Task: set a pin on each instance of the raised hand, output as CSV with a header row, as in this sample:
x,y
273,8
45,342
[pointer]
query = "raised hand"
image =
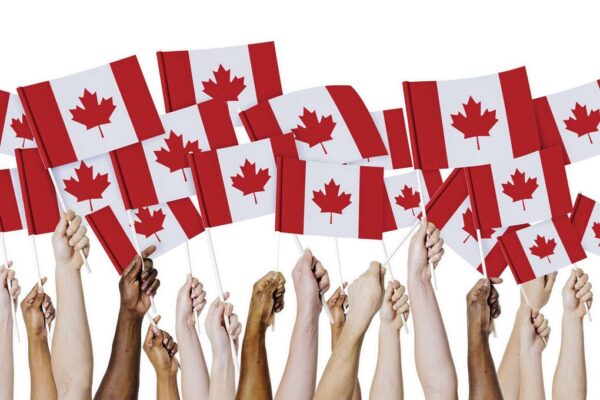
x,y
139,283
577,292
395,305
535,332
215,325
267,298
9,293
68,239
426,246
190,299
33,306
160,348
483,305
337,303
310,279
365,296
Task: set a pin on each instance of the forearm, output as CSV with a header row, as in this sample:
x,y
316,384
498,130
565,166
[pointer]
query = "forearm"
x,y
300,374
483,382
387,382
121,379
43,386
195,380
432,351
509,375
6,357
71,343
166,386
255,382
570,381
222,382
532,378
336,331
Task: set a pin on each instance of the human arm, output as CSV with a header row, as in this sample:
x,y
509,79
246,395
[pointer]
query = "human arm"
x,y
9,294
160,348
534,334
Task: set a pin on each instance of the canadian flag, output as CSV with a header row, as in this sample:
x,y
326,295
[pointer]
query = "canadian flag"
x,y
240,75
165,226
450,211
39,198
402,200
527,189
90,113
330,123
239,182
467,122
541,248
14,127
571,119
316,198
392,129
586,221
157,170
12,213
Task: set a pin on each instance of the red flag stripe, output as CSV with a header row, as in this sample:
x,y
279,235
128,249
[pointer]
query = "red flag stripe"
x,y
520,113
494,261
265,72
389,222
446,200
284,146
187,216
358,120
10,219
425,124
549,132
57,149
4,98
557,184
370,219
260,122
568,237
217,124
133,176
582,212
397,138
291,181
516,257
433,180
137,98
486,212
176,79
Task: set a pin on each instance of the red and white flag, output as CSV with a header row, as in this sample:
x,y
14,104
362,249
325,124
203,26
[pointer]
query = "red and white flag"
x,y
93,112
571,119
450,211
316,198
39,198
586,221
157,170
541,248
330,123
467,122
524,190
402,200
392,129
14,127
12,213
240,75
239,182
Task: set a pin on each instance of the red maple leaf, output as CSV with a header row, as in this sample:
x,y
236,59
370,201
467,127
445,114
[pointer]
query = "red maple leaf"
x,y
584,123
596,228
474,123
520,189
543,248
175,155
149,223
408,199
250,181
87,186
223,87
314,131
21,128
94,113
469,227
331,201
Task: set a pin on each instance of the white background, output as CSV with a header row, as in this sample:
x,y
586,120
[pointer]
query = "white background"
x,y
373,46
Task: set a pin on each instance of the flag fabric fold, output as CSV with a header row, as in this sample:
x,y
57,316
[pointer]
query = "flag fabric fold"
x,y
12,212
14,127
586,221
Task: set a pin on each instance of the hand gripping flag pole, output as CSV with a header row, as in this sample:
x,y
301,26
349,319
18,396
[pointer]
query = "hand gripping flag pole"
x,y
484,268
39,274
424,214
587,309
189,262
385,254
277,244
530,307
13,305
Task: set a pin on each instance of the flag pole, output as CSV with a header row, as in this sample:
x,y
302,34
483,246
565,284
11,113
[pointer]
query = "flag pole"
x,y
39,274
485,272
385,254
424,214
339,263
587,309
13,303
323,301
64,209
399,245
189,262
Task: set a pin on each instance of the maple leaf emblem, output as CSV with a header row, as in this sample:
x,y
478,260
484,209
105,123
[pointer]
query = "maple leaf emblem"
x,y
331,200
408,199
596,229
543,248
474,123
520,189
94,113
149,223
86,186
175,155
314,131
21,128
223,87
250,181
584,123
469,227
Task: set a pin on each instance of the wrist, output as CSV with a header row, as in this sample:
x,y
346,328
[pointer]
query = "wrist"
x,y
130,315
571,316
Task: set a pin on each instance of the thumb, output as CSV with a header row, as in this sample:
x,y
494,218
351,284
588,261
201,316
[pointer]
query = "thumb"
x,y
389,292
551,279
134,269
63,224
422,231
572,279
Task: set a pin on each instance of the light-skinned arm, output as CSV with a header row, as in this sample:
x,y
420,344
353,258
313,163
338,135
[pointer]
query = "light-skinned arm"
x,y
300,374
570,377
435,366
387,381
538,293
195,380
71,343
7,299
160,348
40,364
534,336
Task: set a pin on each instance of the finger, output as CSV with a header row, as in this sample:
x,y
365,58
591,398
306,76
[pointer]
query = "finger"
x,y
587,298
389,292
147,252
581,292
433,239
545,333
74,226
149,279
152,290
403,309
82,244
233,324
319,271
542,326
430,229
538,320
437,257
581,281
133,270
419,236
77,235
402,301
324,283
551,279
63,223
496,281
572,279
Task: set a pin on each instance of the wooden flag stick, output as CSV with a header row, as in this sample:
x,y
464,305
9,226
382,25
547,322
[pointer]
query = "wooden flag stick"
x,y
39,274
189,262
13,305
339,264
399,245
587,309
424,214
531,308
484,268
64,209
217,276
323,301
385,254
